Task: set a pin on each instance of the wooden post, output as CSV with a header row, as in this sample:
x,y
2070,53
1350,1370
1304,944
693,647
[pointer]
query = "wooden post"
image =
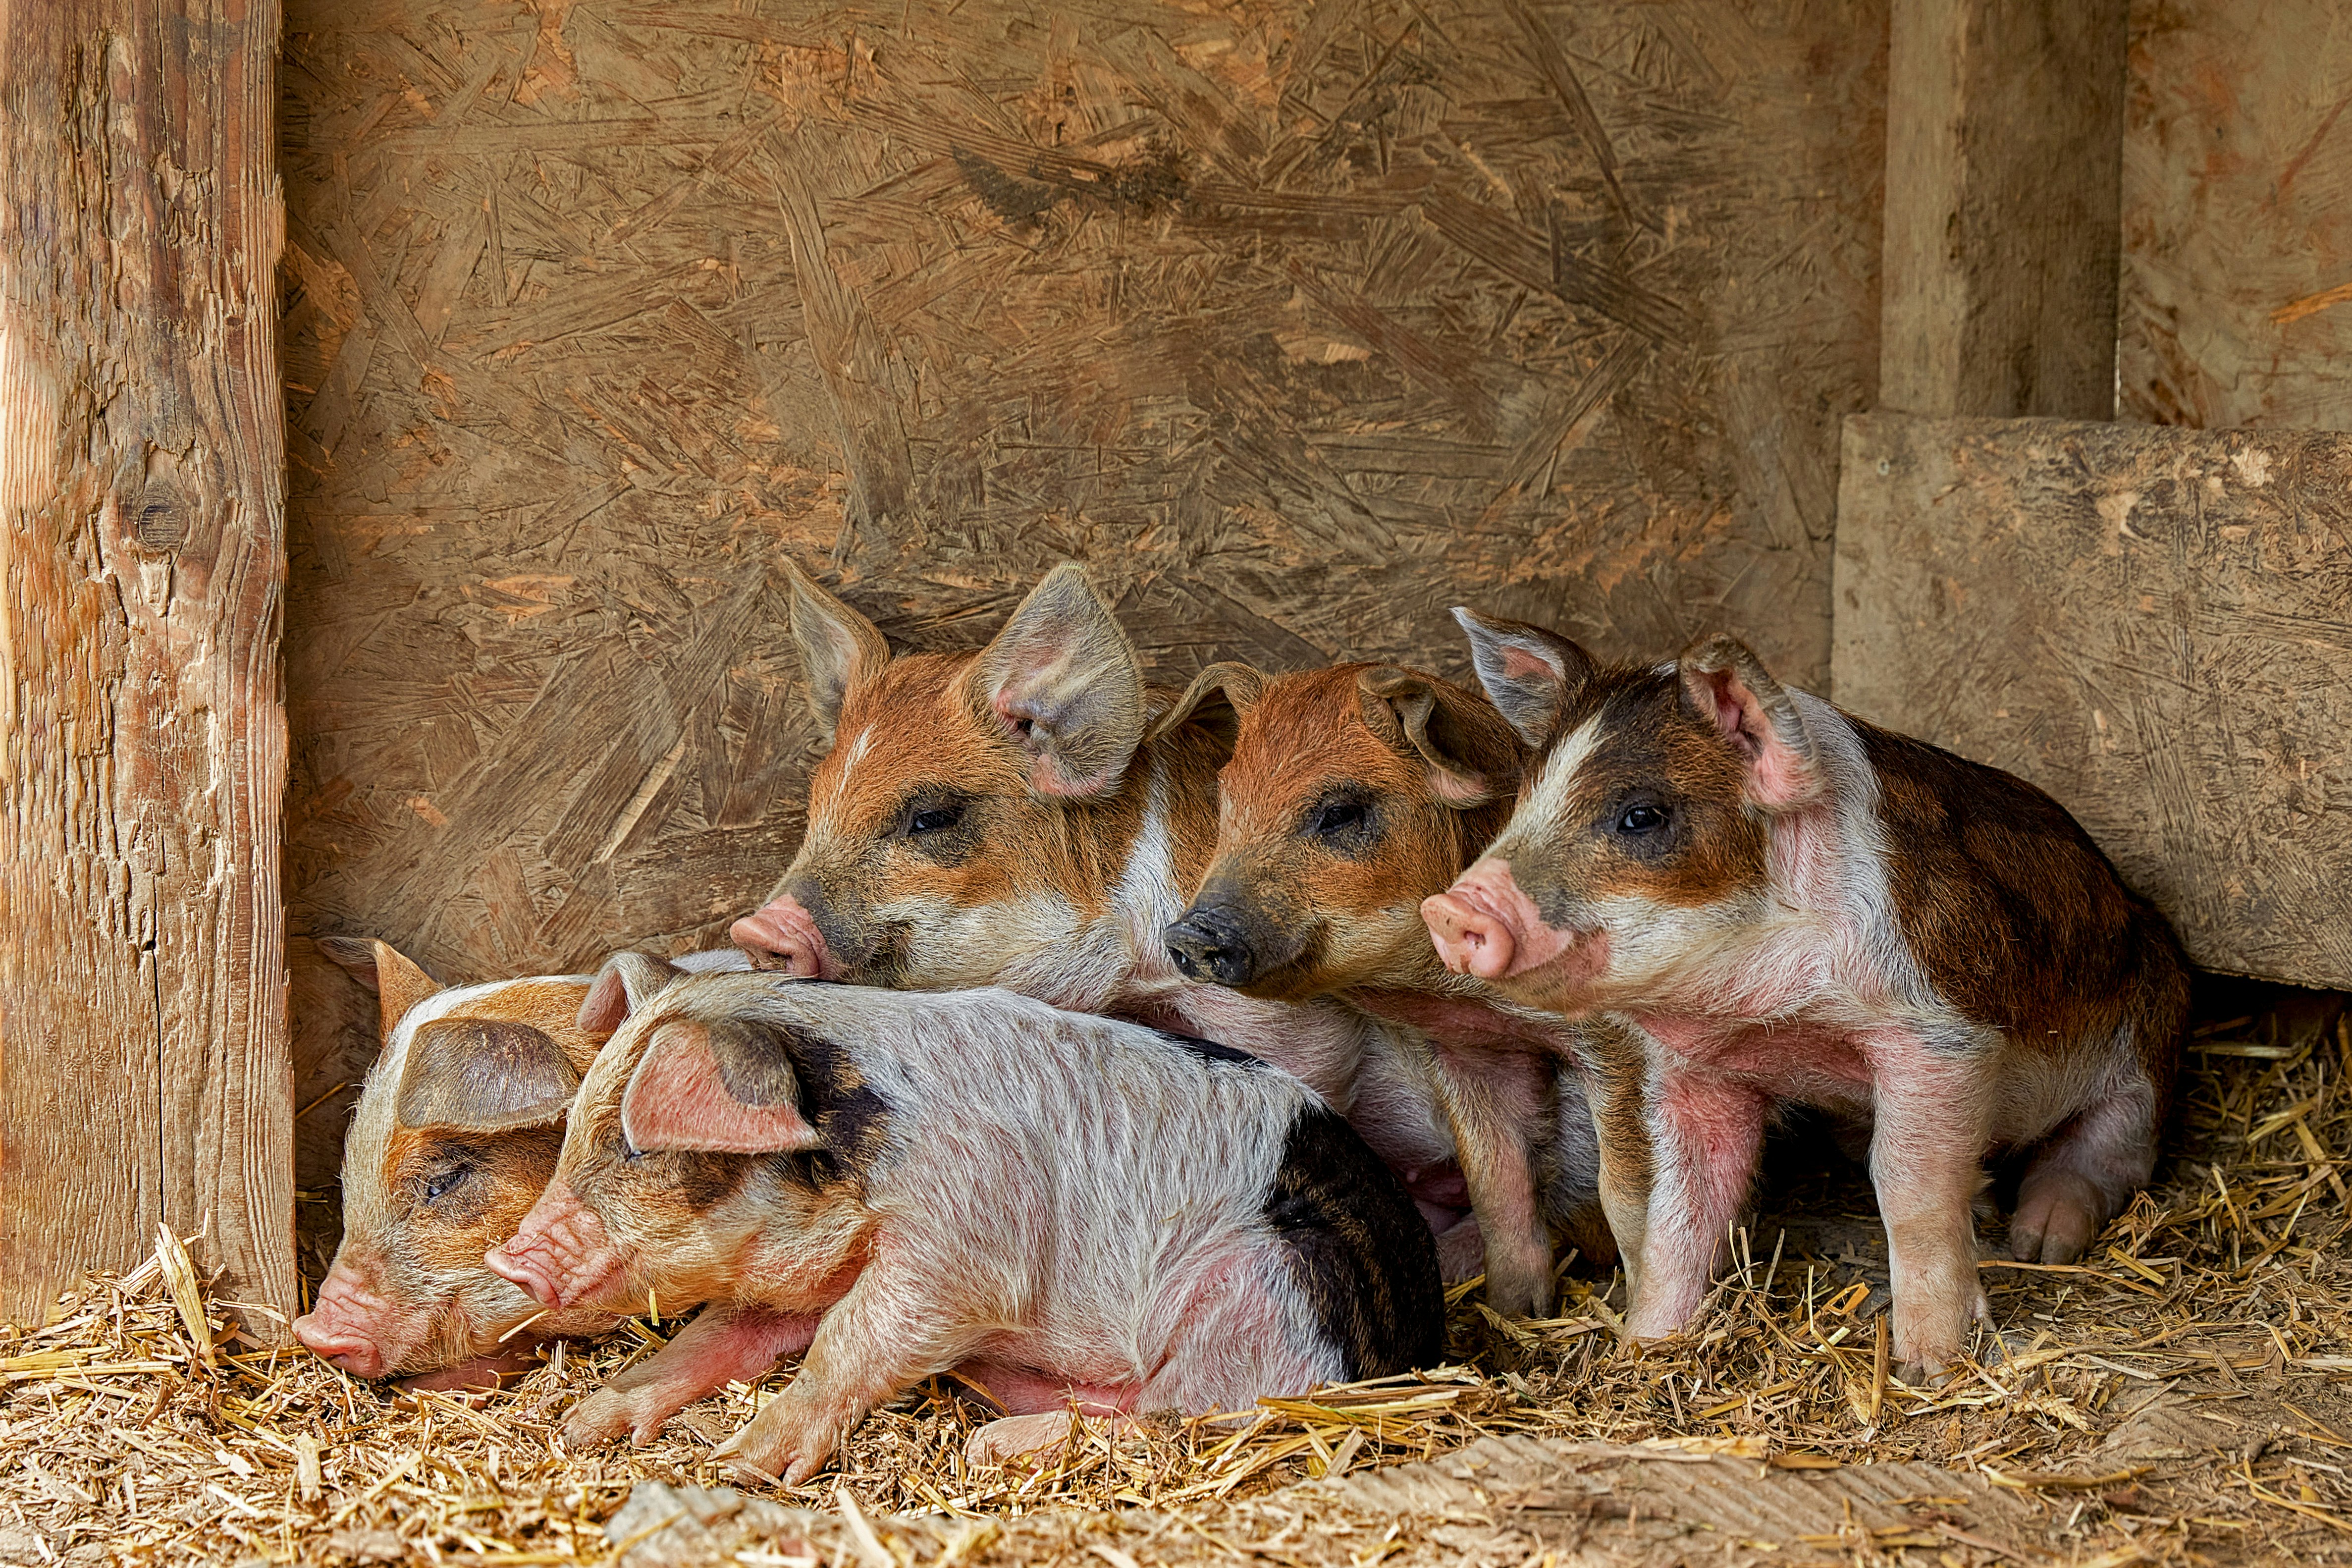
x,y
144,1066
2004,160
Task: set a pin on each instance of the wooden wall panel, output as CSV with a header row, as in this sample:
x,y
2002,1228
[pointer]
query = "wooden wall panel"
x,y
1298,322
2004,139
2151,625
2237,201
143,1068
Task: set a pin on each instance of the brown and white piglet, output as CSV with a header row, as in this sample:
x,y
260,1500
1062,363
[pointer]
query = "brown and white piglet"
x,y
456,1134
1054,1206
1352,793
1013,817
1759,898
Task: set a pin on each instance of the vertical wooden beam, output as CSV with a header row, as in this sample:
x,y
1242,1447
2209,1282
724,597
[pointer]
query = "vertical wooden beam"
x,y
2004,160
144,1066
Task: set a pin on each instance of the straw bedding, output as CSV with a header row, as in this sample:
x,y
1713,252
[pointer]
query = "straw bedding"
x,y
2183,1394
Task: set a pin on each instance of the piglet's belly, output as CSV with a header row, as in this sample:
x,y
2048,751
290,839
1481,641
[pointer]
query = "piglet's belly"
x,y
1796,1059
1029,1391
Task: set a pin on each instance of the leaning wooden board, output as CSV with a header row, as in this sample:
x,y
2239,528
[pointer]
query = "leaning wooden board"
x,y
2154,624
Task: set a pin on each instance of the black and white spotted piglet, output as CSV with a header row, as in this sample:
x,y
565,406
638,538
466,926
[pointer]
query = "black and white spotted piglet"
x,y
1056,1206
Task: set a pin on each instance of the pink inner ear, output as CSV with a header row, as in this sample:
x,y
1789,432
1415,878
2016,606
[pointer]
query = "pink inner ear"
x,y
1736,714
607,1006
675,1100
1778,777
1453,789
1518,664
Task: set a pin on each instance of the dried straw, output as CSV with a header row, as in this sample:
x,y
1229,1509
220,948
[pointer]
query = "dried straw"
x,y
143,1426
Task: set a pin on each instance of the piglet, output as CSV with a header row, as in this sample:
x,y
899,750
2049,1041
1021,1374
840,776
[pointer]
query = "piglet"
x,y
1056,1208
454,1137
1351,794
455,1133
1755,899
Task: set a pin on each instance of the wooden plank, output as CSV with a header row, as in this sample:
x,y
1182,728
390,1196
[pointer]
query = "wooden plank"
x,y
2237,264
144,1076
2151,623
1297,322
2004,136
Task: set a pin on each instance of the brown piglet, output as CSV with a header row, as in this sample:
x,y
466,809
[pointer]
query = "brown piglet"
x,y
1758,898
1351,794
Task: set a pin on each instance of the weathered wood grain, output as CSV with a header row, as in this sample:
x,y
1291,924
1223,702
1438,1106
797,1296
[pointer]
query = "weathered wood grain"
x,y
143,1069
2151,623
2237,202
1297,322
2004,137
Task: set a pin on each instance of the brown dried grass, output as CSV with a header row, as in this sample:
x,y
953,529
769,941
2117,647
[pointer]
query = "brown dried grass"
x,y
142,1427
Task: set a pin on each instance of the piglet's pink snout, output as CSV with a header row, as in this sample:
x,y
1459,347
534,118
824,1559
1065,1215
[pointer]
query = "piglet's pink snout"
x,y
560,1256
1485,926
344,1324
783,938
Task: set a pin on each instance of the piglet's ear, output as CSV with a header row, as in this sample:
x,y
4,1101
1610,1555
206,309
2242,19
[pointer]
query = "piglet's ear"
x,y
1728,687
726,1088
1470,753
626,983
398,983
486,1075
1066,685
1529,673
840,649
1215,701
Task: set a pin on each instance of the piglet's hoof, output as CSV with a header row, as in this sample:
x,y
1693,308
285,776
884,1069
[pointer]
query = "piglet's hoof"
x,y
2058,1213
1017,1436
606,1416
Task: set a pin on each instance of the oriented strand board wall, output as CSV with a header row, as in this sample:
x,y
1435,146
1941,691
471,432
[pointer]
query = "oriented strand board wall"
x,y
1298,321
2152,624
2237,277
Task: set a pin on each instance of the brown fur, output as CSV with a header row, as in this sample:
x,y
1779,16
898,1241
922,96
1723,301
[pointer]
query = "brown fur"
x,y
418,1251
1325,735
1299,904
923,739
1653,748
1992,877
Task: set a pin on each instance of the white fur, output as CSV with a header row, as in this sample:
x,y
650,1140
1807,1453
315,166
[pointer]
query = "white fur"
x,y
1546,797
1062,1187
857,750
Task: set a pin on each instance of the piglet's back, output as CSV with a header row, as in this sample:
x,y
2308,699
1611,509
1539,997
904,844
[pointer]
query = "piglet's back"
x,y
1111,1160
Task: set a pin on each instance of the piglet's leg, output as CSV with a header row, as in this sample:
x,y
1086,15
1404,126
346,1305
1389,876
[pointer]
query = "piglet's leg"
x,y
873,1342
1705,1137
2082,1177
1495,1102
722,1345
1926,1158
1613,1070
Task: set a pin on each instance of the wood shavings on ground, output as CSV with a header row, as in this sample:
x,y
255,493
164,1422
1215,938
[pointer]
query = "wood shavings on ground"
x,y
2182,1395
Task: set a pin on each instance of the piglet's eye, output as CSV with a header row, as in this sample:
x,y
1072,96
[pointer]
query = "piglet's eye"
x,y
936,819
1339,816
1638,819
442,1182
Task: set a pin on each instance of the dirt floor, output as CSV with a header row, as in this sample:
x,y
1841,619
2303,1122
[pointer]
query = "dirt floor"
x,y
2184,1394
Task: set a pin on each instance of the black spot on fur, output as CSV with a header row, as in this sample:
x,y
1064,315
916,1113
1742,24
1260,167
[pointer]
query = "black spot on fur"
x,y
763,1063
1359,1252
1208,1050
